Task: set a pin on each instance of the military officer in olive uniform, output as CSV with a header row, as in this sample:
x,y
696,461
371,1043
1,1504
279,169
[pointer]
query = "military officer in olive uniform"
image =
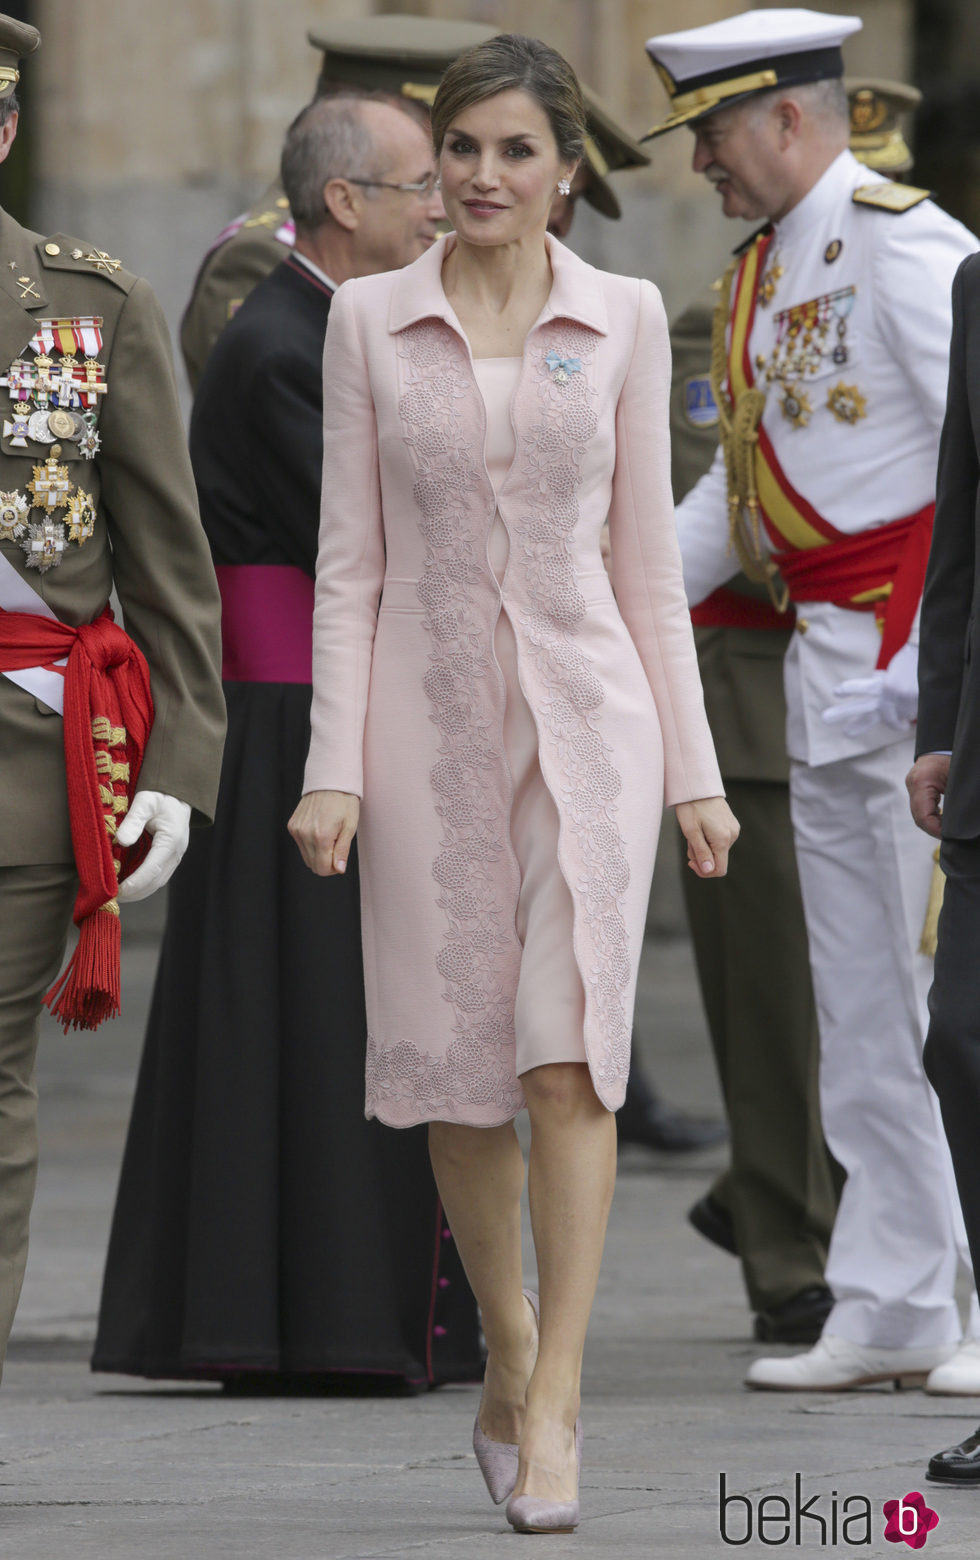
x,y
96,492
775,1205
404,56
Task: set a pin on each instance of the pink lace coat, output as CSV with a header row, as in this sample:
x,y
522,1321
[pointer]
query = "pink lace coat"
x,y
408,699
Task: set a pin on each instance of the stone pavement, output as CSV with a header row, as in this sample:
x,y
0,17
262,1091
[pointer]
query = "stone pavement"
x,y
107,1468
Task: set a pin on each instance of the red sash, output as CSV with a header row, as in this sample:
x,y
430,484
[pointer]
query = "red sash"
x,y
880,570
726,608
107,720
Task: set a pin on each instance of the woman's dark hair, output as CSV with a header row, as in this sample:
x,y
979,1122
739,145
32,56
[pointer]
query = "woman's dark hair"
x,y
502,64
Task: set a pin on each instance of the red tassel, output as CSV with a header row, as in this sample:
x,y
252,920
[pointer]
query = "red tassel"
x,y
87,991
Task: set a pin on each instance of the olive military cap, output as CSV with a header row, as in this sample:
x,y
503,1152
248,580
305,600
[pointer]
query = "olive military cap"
x,y
876,135
607,147
17,41
403,55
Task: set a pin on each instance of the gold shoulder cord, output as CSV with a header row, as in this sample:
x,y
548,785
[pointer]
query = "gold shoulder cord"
x,y
738,423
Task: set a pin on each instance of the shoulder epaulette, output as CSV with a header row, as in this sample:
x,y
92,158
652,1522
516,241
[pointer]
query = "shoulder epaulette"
x,y
890,197
271,218
62,253
748,242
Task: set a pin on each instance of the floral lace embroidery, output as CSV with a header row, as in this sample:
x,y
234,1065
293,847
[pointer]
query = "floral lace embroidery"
x,y
480,955
568,697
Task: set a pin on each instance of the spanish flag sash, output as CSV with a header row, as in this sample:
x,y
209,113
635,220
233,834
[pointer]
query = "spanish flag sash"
x,y
881,570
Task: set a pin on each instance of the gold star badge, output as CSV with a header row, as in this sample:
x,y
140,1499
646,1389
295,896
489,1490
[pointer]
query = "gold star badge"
x,y
847,403
795,406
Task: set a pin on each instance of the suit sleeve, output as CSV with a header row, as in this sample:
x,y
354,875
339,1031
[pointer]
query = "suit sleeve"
x,y
948,596
161,562
350,562
284,420
646,565
702,529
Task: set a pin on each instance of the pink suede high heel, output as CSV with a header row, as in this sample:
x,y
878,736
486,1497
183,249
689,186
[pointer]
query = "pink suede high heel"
x,y
498,1459
531,1514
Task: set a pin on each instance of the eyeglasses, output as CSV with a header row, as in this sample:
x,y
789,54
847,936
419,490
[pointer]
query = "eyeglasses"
x,y
422,187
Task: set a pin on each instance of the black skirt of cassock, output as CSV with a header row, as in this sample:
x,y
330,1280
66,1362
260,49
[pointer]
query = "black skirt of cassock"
x,y
262,1224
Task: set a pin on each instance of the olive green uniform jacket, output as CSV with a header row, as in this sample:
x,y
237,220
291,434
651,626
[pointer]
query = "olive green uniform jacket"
x,y
227,275
148,543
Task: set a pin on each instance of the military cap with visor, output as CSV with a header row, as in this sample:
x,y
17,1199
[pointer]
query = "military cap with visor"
x,y
876,135
17,41
707,68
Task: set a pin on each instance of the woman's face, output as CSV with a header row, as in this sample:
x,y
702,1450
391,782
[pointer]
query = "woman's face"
x,y
499,166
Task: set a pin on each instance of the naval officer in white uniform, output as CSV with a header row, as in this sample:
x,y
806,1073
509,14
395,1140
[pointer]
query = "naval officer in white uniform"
x,y
831,372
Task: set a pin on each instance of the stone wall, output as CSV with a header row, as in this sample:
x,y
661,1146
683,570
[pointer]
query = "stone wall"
x,y
157,123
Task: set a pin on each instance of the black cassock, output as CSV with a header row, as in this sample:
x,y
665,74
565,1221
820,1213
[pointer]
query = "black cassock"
x,y
262,1225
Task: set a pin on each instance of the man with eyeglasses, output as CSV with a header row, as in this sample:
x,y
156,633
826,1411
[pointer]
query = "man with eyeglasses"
x,y
402,56
250,1239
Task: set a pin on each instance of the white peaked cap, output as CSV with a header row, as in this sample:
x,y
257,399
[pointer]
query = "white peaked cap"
x,y
704,68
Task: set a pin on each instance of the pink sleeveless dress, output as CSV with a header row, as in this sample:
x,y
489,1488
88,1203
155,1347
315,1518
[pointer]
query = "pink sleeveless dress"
x,y
549,1014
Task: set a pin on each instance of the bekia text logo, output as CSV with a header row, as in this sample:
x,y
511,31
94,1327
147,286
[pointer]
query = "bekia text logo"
x,y
820,1519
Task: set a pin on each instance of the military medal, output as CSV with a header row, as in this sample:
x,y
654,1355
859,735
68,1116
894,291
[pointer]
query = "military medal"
x,y
44,544
43,383
847,403
795,406
89,442
50,486
14,510
833,250
81,517
63,425
20,380
842,304
769,281
93,384
66,384
38,427
16,428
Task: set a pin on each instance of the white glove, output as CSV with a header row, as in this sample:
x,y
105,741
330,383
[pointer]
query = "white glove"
x,y
169,822
891,696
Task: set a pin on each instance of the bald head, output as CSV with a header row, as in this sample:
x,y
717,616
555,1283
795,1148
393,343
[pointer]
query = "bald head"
x,y
348,135
359,174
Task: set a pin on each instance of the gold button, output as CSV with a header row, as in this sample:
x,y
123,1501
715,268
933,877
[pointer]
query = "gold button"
x,y
282,203
802,625
52,249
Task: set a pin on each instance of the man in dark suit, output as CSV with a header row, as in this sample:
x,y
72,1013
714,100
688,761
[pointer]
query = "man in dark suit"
x,y
944,783
263,1228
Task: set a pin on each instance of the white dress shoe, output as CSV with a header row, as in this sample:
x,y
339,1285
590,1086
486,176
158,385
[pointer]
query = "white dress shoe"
x,y
959,1376
835,1364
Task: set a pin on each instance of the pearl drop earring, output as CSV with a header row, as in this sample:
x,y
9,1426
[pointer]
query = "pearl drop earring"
x,y
565,186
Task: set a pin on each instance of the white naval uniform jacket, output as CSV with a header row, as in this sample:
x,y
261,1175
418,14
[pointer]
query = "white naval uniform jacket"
x,y
858,475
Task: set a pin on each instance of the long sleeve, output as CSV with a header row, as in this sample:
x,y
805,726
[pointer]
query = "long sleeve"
x,y
161,565
646,564
948,597
702,530
350,562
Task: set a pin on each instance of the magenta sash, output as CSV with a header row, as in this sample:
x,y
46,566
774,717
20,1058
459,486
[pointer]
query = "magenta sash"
x,y
266,623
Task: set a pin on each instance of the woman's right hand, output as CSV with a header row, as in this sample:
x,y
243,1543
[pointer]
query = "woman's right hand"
x,y
323,827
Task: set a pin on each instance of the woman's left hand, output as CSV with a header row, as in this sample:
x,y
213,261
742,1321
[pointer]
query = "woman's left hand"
x,y
711,829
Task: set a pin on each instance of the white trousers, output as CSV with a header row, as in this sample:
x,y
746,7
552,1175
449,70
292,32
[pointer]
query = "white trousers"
x,y
865,871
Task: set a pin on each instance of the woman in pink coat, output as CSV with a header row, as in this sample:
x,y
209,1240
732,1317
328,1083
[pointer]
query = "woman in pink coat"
x,y
500,723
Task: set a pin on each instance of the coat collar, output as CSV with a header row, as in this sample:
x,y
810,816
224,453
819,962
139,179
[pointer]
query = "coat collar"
x,y
17,301
576,291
